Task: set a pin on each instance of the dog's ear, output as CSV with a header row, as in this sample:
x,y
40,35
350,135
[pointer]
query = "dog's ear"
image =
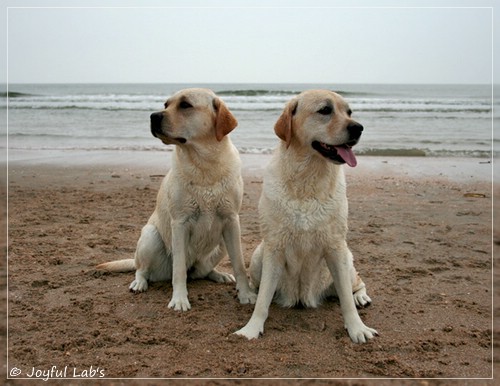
x,y
225,122
283,126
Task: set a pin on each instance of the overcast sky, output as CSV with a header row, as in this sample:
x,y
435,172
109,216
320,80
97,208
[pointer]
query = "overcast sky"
x,y
231,42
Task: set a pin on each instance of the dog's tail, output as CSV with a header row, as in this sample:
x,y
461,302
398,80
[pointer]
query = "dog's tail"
x,y
125,265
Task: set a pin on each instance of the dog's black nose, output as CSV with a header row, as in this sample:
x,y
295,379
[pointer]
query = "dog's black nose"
x,y
355,129
156,119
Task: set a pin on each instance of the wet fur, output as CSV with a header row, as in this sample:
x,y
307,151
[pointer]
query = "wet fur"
x,y
196,221
303,212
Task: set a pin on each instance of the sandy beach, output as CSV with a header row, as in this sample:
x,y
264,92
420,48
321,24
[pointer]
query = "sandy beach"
x,y
420,232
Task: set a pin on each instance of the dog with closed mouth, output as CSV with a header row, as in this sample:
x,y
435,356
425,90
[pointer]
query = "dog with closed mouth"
x,y
303,256
196,219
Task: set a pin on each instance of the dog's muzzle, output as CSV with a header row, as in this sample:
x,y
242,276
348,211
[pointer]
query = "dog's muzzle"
x,y
341,153
156,130
156,119
354,129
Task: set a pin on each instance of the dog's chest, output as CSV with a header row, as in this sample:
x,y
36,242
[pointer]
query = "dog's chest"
x,y
307,215
205,219
204,234
308,209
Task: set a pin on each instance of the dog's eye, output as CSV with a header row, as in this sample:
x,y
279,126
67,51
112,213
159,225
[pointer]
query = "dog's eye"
x,y
349,112
327,110
185,105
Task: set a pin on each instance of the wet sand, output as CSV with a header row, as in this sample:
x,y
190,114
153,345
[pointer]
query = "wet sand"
x,y
420,231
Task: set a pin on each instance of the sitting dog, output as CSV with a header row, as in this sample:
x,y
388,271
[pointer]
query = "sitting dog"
x,y
196,217
303,256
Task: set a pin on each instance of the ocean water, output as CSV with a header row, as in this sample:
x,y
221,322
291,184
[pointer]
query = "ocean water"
x,y
414,120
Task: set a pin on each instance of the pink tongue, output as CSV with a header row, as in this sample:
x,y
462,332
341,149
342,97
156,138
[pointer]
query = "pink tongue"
x,y
347,155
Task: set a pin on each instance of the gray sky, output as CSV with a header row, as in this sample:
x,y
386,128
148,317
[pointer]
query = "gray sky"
x,y
231,42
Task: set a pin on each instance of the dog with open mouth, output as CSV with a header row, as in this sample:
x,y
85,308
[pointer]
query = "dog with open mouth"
x,y
303,257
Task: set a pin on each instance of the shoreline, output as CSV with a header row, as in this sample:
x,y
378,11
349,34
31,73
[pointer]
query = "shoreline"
x,y
458,169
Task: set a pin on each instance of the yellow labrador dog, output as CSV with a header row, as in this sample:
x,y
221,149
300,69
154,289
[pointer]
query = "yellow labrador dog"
x,y
196,217
304,257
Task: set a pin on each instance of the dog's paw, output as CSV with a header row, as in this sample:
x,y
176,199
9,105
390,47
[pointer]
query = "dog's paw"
x,y
137,286
361,333
249,332
361,298
179,304
221,277
247,297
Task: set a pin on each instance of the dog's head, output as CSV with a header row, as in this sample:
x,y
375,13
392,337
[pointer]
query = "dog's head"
x,y
191,115
320,121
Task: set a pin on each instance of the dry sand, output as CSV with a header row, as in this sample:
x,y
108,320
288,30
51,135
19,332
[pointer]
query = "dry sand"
x,y
420,231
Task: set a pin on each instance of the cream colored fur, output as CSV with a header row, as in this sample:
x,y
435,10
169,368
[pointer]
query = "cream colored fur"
x,y
303,211
196,219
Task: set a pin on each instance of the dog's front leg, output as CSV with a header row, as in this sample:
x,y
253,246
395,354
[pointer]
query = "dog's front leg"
x,y
340,265
179,300
232,239
271,274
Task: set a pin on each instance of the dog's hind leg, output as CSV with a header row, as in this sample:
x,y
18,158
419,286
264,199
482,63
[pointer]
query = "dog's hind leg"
x,y
256,266
361,298
151,260
204,268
